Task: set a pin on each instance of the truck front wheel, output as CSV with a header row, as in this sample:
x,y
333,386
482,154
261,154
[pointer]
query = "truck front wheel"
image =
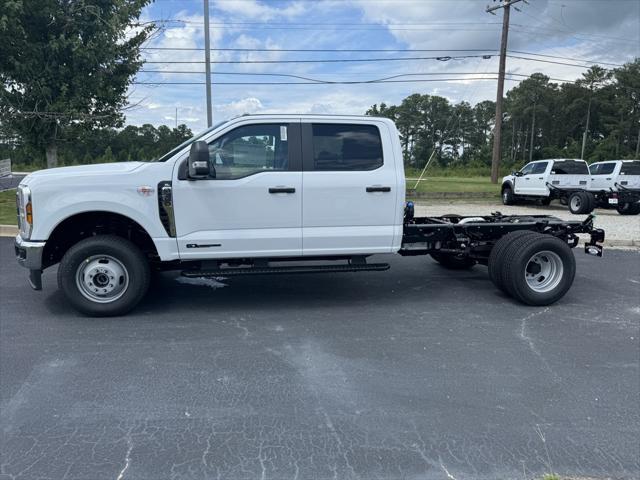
x,y
104,275
507,196
538,269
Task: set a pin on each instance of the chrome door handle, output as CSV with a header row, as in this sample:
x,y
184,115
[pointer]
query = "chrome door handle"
x,y
282,190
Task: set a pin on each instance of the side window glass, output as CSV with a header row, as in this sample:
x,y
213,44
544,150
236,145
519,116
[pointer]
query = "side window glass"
x,y
539,168
526,170
250,149
595,169
606,168
340,147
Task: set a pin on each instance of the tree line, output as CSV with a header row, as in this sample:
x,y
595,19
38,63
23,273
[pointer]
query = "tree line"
x,y
541,119
101,145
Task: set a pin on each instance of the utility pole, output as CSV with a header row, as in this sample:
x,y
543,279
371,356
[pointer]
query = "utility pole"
x,y
497,132
586,127
207,59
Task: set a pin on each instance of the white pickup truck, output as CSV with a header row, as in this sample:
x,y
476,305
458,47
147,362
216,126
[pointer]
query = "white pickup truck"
x,y
611,184
616,184
250,196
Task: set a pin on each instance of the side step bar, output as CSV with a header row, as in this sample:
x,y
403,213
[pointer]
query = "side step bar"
x,y
227,272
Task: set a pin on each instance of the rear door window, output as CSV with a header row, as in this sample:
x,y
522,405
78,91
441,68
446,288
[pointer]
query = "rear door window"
x,y
569,167
630,168
343,147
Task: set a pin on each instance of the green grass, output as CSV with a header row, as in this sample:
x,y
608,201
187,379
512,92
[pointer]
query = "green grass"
x,y
8,208
455,184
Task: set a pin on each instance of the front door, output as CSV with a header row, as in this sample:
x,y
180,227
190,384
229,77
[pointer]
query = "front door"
x,y
253,205
538,179
350,189
523,182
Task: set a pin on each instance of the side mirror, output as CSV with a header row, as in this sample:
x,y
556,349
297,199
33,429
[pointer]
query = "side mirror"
x,y
199,161
517,174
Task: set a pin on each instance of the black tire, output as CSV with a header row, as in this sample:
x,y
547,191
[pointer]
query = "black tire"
x,y
592,202
580,203
519,265
497,255
545,201
122,253
507,196
453,262
628,208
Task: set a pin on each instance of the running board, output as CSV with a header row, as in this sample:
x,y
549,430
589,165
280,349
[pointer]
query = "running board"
x,y
227,272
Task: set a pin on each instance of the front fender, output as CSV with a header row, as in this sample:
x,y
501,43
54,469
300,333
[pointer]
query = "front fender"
x,y
49,213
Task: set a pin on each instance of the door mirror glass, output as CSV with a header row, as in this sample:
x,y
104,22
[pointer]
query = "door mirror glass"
x,y
199,161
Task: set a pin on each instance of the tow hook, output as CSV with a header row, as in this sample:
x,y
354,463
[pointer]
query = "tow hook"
x,y
592,249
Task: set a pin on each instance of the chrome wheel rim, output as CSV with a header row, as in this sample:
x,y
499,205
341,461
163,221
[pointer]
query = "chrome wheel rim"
x,y
544,271
102,278
575,202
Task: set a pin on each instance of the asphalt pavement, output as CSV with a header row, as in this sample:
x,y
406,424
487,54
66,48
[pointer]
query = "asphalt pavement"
x,y
11,181
416,373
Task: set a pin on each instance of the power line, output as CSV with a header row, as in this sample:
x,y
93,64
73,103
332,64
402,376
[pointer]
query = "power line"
x,y
288,75
334,50
324,83
361,60
328,60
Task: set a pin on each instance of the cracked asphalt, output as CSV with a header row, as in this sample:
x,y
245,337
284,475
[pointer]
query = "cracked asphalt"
x,y
416,373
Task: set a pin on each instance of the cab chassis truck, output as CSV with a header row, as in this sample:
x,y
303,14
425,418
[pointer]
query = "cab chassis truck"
x,y
275,194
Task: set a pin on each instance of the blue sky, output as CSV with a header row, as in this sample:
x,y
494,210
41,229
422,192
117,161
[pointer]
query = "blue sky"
x,y
597,30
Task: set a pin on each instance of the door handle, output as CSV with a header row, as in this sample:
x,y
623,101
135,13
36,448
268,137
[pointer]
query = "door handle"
x,y
378,189
526,178
282,190
609,178
540,178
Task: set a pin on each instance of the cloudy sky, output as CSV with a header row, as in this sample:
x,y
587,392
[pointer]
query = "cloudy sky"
x,y
606,31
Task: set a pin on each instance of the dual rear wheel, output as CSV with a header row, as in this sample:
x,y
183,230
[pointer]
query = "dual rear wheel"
x,y
533,268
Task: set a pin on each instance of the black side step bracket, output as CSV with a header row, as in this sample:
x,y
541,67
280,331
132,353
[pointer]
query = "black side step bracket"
x,y
227,272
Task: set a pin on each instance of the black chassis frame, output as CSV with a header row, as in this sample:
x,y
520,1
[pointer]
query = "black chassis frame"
x,y
474,238
623,194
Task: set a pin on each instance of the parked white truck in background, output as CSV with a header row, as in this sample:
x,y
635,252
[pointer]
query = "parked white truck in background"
x,y
616,184
571,181
250,195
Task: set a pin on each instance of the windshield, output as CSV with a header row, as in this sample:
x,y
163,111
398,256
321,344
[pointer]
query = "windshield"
x,y
170,154
630,168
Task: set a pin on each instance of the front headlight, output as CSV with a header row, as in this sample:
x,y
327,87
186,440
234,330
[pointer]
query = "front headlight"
x,y
25,211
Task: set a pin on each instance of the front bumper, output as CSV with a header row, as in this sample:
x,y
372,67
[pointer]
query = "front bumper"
x,y
29,255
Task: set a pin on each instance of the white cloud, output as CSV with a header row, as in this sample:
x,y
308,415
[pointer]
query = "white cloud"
x,y
252,9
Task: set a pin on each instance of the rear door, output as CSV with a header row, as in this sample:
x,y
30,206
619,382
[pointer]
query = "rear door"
x,y
602,175
350,189
570,174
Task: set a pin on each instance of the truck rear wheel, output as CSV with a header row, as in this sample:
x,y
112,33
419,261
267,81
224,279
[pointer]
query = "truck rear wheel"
x,y
538,269
581,202
497,255
628,208
104,275
453,262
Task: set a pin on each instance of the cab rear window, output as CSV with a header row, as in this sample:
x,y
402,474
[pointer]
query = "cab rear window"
x,y
630,168
569,167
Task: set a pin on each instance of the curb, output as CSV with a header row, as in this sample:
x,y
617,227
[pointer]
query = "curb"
x,y
8,230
